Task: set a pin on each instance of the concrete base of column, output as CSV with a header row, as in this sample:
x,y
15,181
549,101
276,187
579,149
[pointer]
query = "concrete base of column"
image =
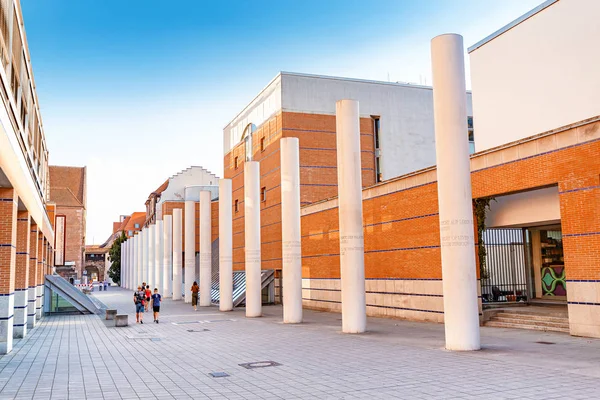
x,y
31,317
20,313
7,304
38,301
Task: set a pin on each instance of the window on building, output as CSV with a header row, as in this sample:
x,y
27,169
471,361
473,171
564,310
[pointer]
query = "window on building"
x,y
471,135
136,226
263,194
262,144
236,206
235,163
376,132
130,233
247,138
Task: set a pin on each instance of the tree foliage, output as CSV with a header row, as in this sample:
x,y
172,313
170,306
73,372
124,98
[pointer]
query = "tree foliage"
x,y
114,255
482,205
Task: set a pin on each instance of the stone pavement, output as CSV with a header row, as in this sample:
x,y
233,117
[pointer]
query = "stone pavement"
x,y
78,357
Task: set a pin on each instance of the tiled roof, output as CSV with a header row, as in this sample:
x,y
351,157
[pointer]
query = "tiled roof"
x,y
68,185
135,218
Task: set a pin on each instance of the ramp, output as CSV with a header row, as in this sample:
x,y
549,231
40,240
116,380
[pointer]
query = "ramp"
x,y
71,294
239,285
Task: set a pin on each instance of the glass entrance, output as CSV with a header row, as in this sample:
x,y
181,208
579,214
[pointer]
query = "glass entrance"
x,y
547,260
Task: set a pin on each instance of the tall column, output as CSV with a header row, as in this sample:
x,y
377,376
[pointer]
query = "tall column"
x,y
8,255
352,246
205,248
225,246
252,238
151,255
158,255
123,263
177,250
22,274
167,280
290,230
40,275
33,268
190,248
131,274
459,275
139,273
144,255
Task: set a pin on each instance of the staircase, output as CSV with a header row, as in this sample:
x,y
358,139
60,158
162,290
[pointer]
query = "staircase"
x,y
548,321
239,285
82,302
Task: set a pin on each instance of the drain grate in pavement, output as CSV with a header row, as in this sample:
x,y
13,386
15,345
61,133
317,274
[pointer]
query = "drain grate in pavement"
x,y
260,364
218,374
201,330
543,342
155,339
186,322
144,337
220,320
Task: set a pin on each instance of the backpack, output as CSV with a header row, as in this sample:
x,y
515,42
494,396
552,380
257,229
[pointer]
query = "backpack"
x,y
139,298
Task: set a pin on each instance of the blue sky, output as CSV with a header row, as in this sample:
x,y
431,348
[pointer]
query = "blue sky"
x,y
139,90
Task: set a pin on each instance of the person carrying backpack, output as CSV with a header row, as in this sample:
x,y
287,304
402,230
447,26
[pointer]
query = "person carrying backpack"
x,y
156,299
139,298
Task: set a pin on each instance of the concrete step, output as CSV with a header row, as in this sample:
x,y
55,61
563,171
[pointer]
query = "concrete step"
x,y
521,321
498,324
532,317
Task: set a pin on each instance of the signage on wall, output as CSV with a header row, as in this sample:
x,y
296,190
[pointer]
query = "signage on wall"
x,y
59,240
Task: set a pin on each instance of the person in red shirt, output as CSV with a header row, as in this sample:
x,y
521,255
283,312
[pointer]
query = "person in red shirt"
x,y
148,296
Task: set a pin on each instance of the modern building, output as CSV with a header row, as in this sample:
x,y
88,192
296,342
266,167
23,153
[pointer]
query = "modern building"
x,y
397,137
26,217
68,192
553,196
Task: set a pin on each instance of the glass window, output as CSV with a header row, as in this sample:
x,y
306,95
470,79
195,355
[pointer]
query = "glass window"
x,y
263,194
471,133
136,226
236,206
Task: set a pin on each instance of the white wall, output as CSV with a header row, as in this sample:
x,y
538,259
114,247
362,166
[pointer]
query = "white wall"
x,y
407,138
532,208
193,176
266,104
539,75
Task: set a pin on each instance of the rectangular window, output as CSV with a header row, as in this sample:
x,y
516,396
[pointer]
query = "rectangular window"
x,y
130,233
236,207
376,127
471,133
262,144
136,226
235,163
378,176
263,194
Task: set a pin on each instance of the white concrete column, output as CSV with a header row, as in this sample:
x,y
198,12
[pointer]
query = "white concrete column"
x,y
190,248
133,275
205,248
144,265
138,266
123,257
225,246
128,266
177,250
459,275
151,256
352,245
158,255
290,230
252,238
167,280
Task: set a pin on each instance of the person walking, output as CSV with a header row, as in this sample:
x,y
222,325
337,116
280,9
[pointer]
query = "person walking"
x,y
139,298
195,290
148,296
156,299
105,285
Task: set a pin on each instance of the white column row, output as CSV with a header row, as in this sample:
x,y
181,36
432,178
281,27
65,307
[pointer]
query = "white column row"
x,y
190,248
167,278
205,249
177,252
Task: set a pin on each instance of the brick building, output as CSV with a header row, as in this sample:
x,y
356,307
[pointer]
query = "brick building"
x,y
26,216
68,193
542,179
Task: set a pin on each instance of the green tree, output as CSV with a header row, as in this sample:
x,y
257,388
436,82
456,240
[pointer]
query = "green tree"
x,y
114,255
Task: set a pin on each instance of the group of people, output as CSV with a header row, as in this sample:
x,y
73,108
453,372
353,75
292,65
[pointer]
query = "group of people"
x,y
143,299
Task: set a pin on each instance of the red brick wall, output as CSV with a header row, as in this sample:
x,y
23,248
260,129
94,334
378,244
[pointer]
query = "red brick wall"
x,y
33,254
74,235
8,239
402,227
22,258
318,174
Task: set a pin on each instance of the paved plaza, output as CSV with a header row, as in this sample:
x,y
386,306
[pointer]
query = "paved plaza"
x,y
79,357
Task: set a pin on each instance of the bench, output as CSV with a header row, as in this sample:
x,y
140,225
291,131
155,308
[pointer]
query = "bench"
x,y
121,320
111,314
